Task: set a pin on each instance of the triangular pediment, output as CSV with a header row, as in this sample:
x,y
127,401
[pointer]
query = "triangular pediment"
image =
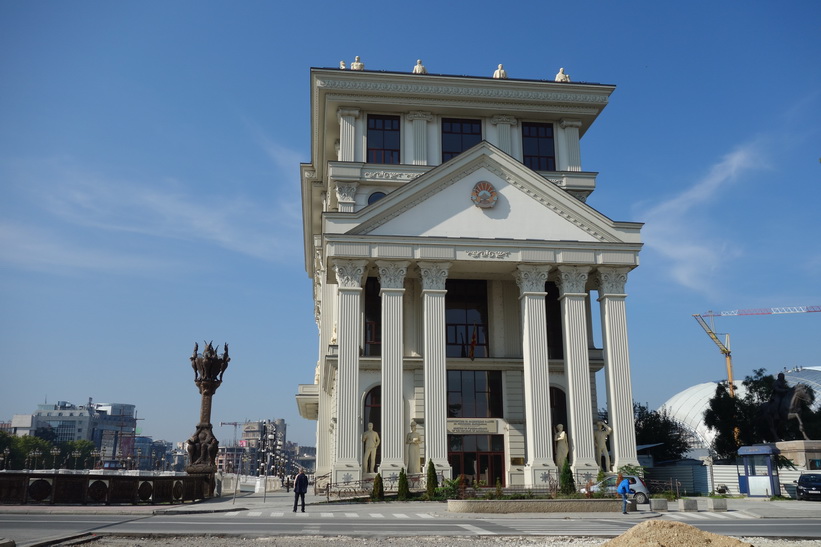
x,y
528,207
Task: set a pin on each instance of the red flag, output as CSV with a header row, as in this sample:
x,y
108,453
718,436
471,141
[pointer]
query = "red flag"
x,y
473,342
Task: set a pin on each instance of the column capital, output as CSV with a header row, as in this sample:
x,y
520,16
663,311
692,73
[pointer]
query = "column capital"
x,y
419,115
349,273
344,112
612,281
572,279
503,118
434,275
346,190
568,122
392,273
530,278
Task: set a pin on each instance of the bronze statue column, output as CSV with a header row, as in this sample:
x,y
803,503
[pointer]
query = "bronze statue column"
x,y
202,445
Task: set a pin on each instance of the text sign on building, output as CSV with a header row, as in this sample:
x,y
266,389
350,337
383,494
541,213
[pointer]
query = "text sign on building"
x,y
475,426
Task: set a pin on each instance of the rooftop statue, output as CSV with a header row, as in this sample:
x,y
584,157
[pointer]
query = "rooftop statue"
x,y
341,65
419,68
500,73
357,64
561,76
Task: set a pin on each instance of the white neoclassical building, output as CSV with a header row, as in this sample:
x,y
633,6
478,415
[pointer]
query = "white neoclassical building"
x,y
459,276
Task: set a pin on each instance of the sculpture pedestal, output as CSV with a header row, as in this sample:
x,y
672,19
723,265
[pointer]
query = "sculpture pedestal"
x,y
800,453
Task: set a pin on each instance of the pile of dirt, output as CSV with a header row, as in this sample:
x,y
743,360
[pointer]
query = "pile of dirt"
x,y
662,533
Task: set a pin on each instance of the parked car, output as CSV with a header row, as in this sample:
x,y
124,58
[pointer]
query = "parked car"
x,y
808,486
638,488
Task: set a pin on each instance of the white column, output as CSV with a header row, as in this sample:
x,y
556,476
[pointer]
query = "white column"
x,y
571,281
433,275
347,132
617,365
392,282
531,281
420,136
504,125
347,466
573,162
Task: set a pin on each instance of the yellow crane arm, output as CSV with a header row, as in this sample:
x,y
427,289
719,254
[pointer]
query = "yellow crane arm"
x,y
722,347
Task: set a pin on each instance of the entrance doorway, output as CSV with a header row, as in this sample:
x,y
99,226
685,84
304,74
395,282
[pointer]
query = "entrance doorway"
x,y
480,458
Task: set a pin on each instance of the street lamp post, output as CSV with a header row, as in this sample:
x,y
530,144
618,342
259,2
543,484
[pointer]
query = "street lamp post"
x,y
4,459
36,454
75,454
94,455
54,453
209,368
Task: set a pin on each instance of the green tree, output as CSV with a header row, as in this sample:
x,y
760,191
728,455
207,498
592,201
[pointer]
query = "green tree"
x,y
432,480
654,426
403,489
737,420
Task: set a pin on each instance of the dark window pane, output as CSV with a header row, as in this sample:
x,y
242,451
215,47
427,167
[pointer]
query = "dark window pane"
x,y
383,139
538,146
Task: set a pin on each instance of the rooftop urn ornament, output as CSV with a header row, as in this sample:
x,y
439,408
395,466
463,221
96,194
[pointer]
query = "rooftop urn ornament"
x,y
561,76
419,68
209,368
357,64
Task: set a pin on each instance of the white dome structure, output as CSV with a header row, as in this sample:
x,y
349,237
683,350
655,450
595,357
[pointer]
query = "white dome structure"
x,y
687,407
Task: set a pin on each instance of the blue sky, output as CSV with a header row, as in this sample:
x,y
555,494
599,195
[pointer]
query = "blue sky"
x,y
149,159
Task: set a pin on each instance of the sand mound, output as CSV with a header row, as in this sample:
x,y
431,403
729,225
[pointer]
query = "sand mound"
x,y
662,533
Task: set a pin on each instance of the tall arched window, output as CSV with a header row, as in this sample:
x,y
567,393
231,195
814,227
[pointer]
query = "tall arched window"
x,y
372,413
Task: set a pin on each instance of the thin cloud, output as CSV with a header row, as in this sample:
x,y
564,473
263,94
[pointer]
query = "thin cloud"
x,y
68,207
677,229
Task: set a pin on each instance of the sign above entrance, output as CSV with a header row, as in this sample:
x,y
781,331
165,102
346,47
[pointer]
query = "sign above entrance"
x,y
473,426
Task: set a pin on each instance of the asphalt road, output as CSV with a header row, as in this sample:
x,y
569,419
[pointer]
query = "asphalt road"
x,y
33,529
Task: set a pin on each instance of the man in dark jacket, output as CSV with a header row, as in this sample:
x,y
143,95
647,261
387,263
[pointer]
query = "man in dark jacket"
x,y
300,488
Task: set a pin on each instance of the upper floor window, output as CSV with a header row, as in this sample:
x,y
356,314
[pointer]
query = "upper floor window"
x,y
466,318
383,139
373,318
474,394
458,135
537,145
376,196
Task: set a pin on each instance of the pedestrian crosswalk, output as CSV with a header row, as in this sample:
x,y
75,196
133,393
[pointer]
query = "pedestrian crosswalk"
x,y
327,515
707,515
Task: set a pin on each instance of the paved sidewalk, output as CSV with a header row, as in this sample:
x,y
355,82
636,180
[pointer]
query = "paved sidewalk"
x,y
283,501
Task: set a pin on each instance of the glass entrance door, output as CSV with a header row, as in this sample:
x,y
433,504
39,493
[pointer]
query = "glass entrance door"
x,y
479,458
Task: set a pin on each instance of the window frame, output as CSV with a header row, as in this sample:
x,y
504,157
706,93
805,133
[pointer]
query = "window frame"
x,y
387,154
541,160
467,140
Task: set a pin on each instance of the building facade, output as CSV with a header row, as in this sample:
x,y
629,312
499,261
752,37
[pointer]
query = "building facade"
x,y
456,265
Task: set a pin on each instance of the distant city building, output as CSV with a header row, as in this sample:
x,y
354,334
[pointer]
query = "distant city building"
x,y
264,446
110,426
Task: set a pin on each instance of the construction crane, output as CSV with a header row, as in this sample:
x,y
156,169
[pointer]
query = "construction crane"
x,y
724,347
236,425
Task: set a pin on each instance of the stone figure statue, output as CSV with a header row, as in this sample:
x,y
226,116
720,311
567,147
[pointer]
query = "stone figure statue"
x,y
500,73
561,76
341,65
202,446
357,64
562,448
419,68
600,432
413,440
371,440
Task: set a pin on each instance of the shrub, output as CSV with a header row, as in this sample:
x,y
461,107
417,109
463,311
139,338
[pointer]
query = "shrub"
x,y
378,493
566,483
433,480
498,488
403,490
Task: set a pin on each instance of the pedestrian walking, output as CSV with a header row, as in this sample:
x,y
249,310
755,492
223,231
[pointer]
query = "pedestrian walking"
x,y
300,488
623,489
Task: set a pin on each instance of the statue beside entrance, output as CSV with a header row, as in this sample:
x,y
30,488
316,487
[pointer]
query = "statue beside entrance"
x,y
413,440
600,433
371,440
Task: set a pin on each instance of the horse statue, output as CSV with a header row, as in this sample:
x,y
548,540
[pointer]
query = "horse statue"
x,y
777,412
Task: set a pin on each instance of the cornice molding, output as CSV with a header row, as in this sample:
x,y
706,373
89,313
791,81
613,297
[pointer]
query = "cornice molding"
x,y
484,91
